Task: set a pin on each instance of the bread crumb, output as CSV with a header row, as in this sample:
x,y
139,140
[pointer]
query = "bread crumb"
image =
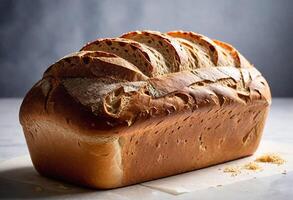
x,y
38,189
271,158
284,172
233,170
252,166
62,187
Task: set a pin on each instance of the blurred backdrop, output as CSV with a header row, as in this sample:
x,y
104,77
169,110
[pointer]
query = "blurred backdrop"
x,y
35,33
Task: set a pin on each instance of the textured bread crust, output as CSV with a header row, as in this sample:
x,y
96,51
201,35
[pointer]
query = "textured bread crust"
x,y
136,53
174,55
239,60
98,119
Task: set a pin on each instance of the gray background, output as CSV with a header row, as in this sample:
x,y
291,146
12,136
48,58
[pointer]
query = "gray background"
x,y
34,34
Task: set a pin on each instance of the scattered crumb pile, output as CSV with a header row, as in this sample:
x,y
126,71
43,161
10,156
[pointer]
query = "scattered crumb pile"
x,y
271,158
252,166
233,170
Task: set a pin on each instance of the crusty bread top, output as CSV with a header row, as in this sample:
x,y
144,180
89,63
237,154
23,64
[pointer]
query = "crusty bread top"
x,y
147,73
174,55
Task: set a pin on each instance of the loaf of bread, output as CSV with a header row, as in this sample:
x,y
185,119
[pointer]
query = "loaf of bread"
x,y
143,106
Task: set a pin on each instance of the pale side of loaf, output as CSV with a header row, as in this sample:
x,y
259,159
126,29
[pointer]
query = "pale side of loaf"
x,y
141,107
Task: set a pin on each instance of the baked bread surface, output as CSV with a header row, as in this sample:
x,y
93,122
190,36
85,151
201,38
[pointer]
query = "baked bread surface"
x,y
144,106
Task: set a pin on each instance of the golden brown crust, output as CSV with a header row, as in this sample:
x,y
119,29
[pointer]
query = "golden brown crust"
x,y
217,56
239,59
193,140
100,119
63,141
136,53
185,90
97,64
173,53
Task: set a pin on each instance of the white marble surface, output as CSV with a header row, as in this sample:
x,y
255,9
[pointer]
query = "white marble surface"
x,y
279,127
